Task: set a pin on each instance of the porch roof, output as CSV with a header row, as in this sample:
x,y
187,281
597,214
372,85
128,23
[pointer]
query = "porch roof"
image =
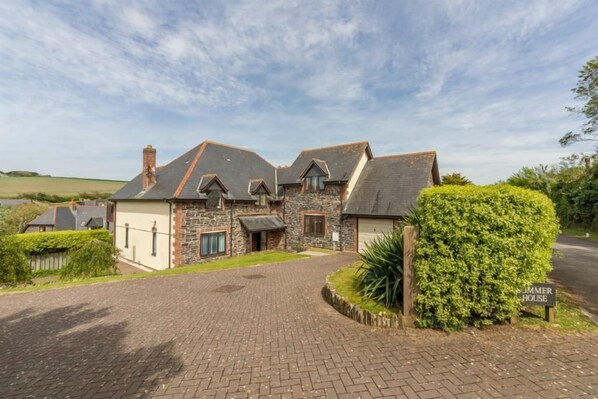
x,y
261,223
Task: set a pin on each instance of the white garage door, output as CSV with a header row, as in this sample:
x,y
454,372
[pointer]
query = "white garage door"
x,y
369,229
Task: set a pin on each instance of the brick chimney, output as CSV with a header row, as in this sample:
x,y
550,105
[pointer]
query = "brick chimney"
x,y
149,167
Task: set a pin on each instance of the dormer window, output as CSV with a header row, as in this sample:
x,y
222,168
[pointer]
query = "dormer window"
x,y
313,183
214,199
262,199
314,175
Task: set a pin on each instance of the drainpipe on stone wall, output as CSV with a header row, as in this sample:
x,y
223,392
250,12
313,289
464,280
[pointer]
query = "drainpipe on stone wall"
x,y
340,227
169,234
284,220
231,228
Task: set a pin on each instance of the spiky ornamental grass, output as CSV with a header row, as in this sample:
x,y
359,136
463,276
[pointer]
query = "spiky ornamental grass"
x,y
381,274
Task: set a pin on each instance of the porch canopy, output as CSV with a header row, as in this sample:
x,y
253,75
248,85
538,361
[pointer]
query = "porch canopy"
x,y
254,224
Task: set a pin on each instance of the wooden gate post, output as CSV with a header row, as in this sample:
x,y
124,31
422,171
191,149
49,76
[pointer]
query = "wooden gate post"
x,y
410,235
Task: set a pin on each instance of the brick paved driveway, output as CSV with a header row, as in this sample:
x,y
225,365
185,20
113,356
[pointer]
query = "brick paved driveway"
x,y
177,337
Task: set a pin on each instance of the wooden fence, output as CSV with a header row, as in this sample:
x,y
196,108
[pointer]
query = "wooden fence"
x,y
48,261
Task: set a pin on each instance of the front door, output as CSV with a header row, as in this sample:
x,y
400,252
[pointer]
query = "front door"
x,y
256,242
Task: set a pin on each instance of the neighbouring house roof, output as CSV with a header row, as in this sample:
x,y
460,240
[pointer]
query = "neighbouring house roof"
x,y
84,213
180,179
61,217
389,186
340,160
95,222
262,223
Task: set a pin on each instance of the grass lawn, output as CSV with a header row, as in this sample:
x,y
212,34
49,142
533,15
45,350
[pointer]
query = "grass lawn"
x,y
568,317
260,258
580,233
63,186
344,281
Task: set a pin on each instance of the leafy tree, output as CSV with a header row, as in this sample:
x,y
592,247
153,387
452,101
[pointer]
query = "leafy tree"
x,y
586,91
536,178
455,179
15,220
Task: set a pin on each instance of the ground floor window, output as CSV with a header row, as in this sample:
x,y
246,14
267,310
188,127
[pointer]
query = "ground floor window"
x,y
154,242
314,225
127,235
213,243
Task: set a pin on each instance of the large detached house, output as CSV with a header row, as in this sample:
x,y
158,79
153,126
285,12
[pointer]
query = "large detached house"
x,y
217,201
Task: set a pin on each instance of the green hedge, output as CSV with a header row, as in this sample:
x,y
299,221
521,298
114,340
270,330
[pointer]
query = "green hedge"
x,y
478,247
58,241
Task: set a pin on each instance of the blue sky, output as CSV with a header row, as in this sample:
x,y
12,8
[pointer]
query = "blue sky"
x,y
85,85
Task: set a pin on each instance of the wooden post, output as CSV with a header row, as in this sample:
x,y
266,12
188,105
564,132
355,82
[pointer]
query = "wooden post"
x,y
410,235
549,314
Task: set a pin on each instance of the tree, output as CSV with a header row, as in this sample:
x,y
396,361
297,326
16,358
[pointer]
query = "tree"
x,y
586,91
15,220
455,179
538,178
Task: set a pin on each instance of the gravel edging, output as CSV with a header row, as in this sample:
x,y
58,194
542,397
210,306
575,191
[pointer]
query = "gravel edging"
x,y
346,308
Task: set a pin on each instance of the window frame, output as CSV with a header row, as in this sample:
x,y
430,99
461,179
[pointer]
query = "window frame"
x,y
154,242
312,184
127,236
219,206
262,199
310,225
212,235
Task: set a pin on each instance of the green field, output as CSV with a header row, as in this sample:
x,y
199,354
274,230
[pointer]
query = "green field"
x,y
11,187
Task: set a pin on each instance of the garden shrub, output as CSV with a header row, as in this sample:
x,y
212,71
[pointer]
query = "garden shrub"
x,y
59,241
380,277
478,247
14,267
94,259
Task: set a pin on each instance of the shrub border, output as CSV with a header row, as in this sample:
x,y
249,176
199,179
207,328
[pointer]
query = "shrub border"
x,y
354,312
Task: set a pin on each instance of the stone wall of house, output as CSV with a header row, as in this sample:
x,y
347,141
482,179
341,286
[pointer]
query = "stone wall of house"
x,y
192,218
298,204
349,234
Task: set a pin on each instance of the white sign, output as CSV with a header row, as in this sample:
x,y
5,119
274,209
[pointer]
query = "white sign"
x,y
334,236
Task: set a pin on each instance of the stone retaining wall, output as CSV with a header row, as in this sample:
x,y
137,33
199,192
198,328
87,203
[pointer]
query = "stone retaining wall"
x,y
343,306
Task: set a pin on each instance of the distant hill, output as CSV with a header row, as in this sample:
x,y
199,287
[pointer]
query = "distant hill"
x,y
13,187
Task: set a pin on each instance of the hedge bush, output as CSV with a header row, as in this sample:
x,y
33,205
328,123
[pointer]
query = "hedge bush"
x,y
478,247
59,241
14,267
94,259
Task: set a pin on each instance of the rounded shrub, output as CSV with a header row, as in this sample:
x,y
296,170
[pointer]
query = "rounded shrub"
x,y
380,277
94,259
478,247
14,267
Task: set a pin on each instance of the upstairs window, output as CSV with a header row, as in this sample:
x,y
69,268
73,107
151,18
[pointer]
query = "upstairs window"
x,y
262,199
214,199
313,183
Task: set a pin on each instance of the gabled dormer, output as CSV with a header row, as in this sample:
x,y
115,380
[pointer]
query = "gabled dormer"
x,y
213,188
259,189
314,175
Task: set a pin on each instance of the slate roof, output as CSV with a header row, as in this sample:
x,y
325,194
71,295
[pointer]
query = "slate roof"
x,y
389,186
84,213
262,223
340,160
180,179
60,217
